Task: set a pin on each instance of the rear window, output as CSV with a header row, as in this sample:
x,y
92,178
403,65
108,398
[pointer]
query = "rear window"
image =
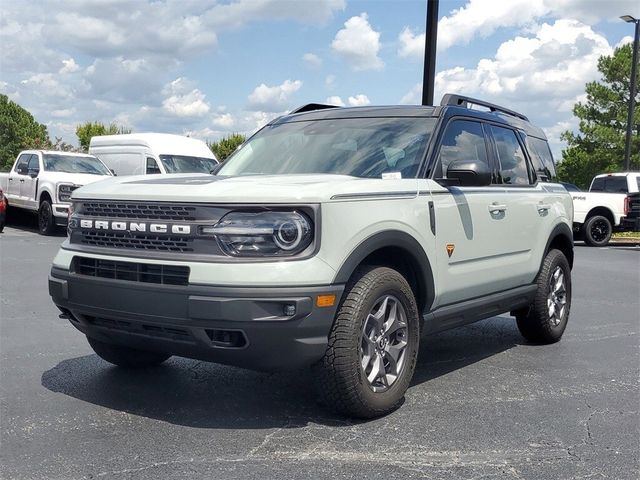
x,y
611,184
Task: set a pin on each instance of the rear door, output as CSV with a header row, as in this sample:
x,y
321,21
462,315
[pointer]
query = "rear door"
x,y
29,187
16,179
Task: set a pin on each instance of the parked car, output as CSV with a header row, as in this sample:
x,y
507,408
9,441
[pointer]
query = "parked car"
x,y
152,153
42,181
612,204
332,238
3,210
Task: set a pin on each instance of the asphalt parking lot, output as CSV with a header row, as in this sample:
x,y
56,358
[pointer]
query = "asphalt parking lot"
x,y
483,403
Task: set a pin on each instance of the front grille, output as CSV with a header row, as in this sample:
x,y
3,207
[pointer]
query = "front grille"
x,y
130,271
165,243
169,332
138,210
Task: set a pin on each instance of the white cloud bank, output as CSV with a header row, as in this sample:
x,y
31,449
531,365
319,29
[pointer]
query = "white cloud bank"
x,y
359,44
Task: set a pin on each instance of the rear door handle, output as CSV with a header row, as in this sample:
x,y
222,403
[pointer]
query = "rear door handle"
x,y
22,180
496,208
543,208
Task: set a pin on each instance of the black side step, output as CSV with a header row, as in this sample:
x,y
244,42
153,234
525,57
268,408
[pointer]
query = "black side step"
x,y
469,311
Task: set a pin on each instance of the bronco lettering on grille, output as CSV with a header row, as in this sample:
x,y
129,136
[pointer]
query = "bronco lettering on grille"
x,y
135,226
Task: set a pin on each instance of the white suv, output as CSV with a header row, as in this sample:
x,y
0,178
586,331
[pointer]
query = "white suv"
x,y
333,238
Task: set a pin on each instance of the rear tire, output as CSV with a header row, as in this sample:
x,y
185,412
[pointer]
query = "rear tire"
x,y
546,318
46,223
126,357
373,345
597,231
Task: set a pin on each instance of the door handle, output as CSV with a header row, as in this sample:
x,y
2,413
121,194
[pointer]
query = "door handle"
x,y
22,180
543,208
496,208
11,179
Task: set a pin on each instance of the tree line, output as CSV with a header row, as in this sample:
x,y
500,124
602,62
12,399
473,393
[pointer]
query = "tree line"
x,y
598,146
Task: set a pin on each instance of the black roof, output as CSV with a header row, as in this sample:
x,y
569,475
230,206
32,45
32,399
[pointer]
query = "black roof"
x,y
503,115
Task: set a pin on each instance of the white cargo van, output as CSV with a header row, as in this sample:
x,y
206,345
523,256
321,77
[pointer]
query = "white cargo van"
x,y
148,153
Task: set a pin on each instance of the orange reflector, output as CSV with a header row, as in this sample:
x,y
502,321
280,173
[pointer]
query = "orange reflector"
x,y
325,300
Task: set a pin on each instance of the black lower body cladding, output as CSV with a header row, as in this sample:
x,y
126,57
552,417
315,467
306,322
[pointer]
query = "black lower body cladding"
x,y
258,328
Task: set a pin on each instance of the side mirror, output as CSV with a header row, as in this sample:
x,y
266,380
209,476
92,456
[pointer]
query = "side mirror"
x,y
33,172
469,174
22,170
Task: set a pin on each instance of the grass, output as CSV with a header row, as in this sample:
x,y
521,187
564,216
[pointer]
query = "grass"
x,y
633,235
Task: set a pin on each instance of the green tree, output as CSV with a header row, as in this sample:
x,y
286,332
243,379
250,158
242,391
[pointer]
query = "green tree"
x,y
599,145
226,145
87,130
18,131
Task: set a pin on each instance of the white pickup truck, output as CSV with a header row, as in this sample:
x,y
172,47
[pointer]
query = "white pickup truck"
x,y
611,204
42,181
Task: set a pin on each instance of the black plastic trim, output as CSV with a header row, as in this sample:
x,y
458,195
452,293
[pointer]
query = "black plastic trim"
x,y
392,238
470,311
562,229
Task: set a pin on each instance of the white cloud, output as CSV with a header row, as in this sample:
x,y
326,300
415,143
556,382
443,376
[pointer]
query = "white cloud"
x,y
359,100
413,96
411,45
312,60
624,41
359,44
481,18
273,99
541,75
69,66
63,113
183,100
334,100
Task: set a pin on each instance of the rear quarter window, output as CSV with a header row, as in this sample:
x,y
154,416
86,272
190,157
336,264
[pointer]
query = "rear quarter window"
x,y
541,158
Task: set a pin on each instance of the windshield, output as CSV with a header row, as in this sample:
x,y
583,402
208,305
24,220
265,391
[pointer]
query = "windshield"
x,y
184,164
360,147
74,164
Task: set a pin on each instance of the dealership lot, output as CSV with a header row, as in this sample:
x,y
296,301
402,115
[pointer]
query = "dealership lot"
x,y
483,402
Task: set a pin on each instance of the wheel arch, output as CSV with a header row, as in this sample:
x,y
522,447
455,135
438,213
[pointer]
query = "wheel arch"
x,y
561,238
44,195
398,250
603,211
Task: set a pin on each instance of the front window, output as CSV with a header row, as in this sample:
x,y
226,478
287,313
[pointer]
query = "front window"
x,y
74,164
359,147
184,164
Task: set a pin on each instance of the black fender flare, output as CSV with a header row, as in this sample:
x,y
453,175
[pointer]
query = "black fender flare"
x,y
562,229
397,239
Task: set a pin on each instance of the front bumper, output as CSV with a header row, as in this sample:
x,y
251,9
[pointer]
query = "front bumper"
x,y
60,213
246,327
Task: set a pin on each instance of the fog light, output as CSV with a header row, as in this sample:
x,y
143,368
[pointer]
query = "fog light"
x,y
325,300
289,310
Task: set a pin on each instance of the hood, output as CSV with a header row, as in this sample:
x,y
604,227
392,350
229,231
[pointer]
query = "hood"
x,y
75,178
243,189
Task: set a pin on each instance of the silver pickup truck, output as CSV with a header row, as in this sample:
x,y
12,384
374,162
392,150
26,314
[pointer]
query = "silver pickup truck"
x,y
42,181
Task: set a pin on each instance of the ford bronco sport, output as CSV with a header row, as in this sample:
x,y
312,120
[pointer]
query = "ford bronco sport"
x,y
333,238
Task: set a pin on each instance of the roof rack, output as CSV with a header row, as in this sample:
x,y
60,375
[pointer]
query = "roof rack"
x,y
462,101
309,107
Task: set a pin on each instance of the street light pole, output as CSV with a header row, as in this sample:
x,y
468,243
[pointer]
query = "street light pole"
x,y
430,39
634,85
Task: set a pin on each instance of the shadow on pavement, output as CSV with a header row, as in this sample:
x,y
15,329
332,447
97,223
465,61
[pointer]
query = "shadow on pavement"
x,y
28,222
206,395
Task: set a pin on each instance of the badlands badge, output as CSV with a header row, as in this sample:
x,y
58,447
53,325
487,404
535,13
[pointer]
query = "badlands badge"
x,y
450,248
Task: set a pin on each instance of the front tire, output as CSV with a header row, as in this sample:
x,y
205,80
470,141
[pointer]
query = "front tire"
x,y
126,357
373,345
46,223
597,231
546,319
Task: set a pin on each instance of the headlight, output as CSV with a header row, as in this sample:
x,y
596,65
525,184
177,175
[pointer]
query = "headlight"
x,y
64,192
264,233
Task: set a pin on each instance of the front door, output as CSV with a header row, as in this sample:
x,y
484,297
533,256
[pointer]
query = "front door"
x,y
16,179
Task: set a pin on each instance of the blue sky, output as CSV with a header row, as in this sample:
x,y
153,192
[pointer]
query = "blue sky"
x,y
211,68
